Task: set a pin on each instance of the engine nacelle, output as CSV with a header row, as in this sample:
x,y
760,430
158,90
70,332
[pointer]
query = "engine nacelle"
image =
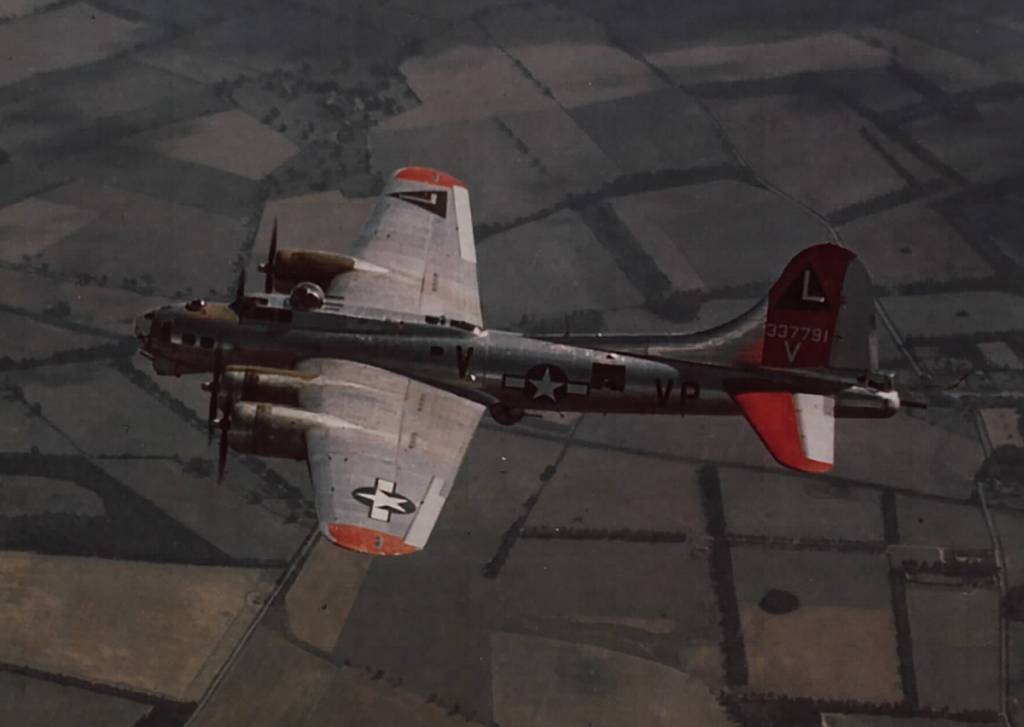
x,y
271,386
296,266
269,430
292,266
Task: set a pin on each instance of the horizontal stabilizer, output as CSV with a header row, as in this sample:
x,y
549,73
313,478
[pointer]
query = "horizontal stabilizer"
x,y
797,429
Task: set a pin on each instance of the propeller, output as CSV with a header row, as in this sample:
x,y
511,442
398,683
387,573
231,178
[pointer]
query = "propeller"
x,y
213,386
224,423
240,290
268,266
212,421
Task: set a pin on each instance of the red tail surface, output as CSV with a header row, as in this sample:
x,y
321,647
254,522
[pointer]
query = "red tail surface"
x,y
819,314
797,429
803,307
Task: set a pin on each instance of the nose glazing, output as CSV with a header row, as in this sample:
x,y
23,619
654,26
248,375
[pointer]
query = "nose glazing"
x,y
142,326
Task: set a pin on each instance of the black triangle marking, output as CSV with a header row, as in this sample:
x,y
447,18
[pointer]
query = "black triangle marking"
x,y
805,293
434,201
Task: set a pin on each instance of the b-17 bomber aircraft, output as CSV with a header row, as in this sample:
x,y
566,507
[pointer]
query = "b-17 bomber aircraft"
x,y
375,365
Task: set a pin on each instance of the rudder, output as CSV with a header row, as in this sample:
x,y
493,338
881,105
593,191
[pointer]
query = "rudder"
x,y
821,313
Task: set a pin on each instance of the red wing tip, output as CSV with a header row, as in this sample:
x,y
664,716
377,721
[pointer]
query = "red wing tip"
x,y
428,176
364,540
808,465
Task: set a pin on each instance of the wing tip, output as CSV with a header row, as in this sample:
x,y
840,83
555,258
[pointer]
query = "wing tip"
x,y
428,176
364,540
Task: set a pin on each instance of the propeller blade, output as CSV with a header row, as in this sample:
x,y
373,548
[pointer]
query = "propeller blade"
x,y
214,389
240,292
212,416
222,449
268,267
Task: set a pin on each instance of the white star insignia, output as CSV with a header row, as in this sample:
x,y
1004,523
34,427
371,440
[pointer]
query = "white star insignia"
x,y
546,386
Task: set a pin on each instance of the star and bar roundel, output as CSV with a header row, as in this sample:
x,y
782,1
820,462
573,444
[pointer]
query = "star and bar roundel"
x,y
383,500
545,382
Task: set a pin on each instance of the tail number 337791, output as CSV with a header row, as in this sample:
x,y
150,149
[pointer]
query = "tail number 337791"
x,y
790,332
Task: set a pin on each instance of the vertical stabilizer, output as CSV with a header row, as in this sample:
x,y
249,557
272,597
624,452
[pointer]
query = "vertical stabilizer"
x,y
821,313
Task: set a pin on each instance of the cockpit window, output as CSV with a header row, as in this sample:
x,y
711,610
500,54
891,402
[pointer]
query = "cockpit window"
x,y
165,332
195,304
206,342
189,339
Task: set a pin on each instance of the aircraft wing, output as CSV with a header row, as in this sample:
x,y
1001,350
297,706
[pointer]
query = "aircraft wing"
x,y
382,472
421,234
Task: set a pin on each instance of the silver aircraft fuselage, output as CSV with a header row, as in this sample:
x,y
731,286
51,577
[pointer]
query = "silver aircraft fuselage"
x,y
508,372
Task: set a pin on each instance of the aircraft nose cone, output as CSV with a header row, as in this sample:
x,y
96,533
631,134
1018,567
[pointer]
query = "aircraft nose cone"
x,y
143,325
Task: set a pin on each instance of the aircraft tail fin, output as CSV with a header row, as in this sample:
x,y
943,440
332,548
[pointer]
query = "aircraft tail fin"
x,y
820,313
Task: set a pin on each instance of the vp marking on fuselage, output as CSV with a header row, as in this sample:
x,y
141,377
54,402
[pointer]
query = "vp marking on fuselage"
x,y
663,391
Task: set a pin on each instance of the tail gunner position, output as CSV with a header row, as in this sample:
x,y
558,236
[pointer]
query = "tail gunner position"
x,y
376,368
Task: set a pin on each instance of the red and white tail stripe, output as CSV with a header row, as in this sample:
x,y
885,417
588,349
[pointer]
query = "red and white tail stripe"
x,y
798,429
